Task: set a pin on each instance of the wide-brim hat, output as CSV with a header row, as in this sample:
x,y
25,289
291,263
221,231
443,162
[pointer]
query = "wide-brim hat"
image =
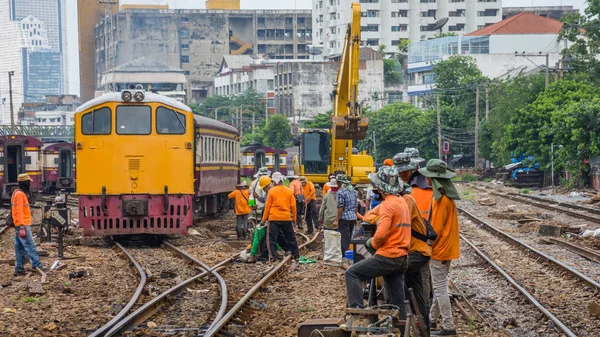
x,y
332,183
242,184
403,162
414,154
342,178
387,180
277,177
23,177
303,179
436,168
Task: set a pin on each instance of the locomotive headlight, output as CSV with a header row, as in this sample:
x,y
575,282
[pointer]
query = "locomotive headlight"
x,y
139,96
126,96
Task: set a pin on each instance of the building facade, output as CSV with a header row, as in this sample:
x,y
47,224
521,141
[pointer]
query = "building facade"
x,y
388,22
514,46
552,12
196,40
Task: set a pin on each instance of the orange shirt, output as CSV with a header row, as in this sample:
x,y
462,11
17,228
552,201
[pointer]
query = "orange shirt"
x,y
372,215
444,219
417,224
309,192
326,188
21,212
280,205
296,187
392,238
241,201
423,199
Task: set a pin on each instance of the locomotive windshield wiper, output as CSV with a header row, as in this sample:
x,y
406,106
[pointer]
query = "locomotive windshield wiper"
x,y
179,120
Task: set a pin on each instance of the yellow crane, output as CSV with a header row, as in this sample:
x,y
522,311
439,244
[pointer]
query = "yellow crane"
x,y
325,151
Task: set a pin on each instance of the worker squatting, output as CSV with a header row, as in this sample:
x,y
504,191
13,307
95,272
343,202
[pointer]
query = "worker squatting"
x,y
415,240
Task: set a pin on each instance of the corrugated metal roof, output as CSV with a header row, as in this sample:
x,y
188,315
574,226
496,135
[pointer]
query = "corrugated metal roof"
x,y
522,23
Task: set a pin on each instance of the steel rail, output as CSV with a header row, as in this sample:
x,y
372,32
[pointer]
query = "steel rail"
x,y
530,249
231,313
559,203
149,308
466,308
583,251
132,301
523,199
522,290
222,285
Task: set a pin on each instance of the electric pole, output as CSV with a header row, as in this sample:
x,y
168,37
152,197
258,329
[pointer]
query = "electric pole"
x,y
477,128
252,120
547,56
439,127
487,104
12,111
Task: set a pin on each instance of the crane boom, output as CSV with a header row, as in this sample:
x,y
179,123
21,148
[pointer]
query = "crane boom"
x,y
347,121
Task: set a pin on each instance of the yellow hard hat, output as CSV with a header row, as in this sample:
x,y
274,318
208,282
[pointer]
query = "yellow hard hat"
x,y
264,181
24,177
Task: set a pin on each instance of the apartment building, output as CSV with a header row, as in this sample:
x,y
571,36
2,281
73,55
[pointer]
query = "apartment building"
x,y
388,22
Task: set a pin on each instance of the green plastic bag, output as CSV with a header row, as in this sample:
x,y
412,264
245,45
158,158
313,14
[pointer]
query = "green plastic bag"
x,y
304,260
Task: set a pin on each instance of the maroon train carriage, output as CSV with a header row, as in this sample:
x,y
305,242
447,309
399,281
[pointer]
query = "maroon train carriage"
x,y
217,164
19,154
58,167
254,157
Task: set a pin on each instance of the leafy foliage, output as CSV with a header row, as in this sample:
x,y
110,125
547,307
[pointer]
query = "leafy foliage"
x,y
392,72
277,132
321,121
583,31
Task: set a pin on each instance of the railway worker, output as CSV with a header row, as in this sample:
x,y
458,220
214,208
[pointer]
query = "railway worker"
x,y
280,211
391,242
258,195
417,274
327,217
296,188
421,189
242,210
346,210
326,187
21,217
444,219
310,204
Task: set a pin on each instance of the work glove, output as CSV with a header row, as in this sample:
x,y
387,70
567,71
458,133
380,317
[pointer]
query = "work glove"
x,y
22,233
368,244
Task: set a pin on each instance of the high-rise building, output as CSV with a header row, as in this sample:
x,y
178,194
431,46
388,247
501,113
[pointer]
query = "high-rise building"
x,y
52,13
388,22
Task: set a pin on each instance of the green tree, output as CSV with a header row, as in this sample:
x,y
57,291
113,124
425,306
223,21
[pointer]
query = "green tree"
x,y
381,49
277,132
392,72
456,72
583,31
397,126
320,121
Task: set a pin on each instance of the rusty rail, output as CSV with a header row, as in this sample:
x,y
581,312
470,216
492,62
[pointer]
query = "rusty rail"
x,y
129,322
529,249
238,306
583,251
466,308
524,199
106,327
522,290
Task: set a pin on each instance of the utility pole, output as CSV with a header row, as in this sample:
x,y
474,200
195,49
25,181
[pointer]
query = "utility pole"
x,y
477,128
439,127
12,111
487,104
562,68
253,120
240,113
556,65
547,63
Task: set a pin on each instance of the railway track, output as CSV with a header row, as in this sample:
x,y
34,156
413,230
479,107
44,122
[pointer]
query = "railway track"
x,y
589,214
127,320
562,299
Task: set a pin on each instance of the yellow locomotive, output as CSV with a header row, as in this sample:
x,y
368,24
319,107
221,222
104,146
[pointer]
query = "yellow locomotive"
x,y
138,155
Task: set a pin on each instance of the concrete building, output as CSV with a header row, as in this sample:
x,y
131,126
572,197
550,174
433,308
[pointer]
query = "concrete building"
x,y
239,73
56,110
552,12
497,49
196,40
151,74
390,21
303,88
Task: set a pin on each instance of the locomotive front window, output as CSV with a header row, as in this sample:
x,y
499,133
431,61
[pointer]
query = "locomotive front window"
x,y
134,120
169,122
97,122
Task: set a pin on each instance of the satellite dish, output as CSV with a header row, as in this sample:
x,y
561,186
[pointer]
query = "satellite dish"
x,y
315,51
438,24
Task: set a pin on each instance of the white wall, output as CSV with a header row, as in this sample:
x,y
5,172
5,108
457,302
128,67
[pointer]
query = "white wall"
x,y
531,43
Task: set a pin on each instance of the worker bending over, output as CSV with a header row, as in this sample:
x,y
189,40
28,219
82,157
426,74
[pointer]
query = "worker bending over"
x,y
327,216
417,273
391,241
310,204
280,211
242,210
444,219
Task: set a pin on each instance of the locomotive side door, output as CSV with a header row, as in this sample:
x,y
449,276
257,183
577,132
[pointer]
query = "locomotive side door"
x,y
65,164
259,159
14,162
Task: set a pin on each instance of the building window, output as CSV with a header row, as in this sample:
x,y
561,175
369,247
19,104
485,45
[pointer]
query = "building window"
x,y
184,19
457,13
185,46
370,28
457,1
427,1
186,72
184,33
487,12
400,28
373,42
185,59
487,1
369,1
399,1
400,14
428,14
424,28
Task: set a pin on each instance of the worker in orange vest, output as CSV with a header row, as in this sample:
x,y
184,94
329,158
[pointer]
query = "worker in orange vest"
x,y
21,218
421,190
242,210
310,204
296,188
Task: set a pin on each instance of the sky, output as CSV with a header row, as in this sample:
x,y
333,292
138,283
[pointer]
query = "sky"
x,y
245,4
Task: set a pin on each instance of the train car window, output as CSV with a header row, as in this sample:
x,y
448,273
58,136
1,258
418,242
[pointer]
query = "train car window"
x,y
134,120
97,122
169,122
